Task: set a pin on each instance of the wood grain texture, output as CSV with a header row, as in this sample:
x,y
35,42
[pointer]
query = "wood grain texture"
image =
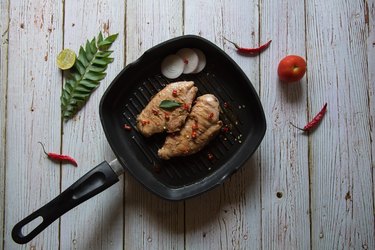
x,y
228,217
342,203
150,222
97,223
369,16
325,180
4,28
33,114
284,150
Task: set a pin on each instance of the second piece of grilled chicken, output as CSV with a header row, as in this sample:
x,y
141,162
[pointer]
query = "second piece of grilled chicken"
x,y
154,119
201,126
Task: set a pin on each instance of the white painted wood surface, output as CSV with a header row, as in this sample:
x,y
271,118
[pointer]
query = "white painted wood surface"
x,y
4,26
99,221
342,200
32,115
326,179
284,153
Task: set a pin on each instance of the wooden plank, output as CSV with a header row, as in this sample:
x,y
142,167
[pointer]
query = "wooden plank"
x,y
150,222
33,114
284,151
341,167
4,27
231,215
370,23
97,223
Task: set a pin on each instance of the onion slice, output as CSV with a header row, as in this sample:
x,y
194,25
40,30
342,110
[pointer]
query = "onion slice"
x,y
201,61
172,66
190,59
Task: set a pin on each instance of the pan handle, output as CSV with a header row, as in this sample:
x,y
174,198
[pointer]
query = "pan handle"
x,y
89,185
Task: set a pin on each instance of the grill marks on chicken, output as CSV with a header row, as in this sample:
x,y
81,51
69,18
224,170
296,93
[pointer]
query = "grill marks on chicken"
x,y
201,126
154,119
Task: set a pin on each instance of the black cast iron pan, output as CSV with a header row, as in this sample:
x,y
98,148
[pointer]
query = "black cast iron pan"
x,y
179,178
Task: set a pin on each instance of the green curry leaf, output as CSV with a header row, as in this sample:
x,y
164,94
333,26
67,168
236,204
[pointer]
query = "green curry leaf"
x,y
169,104
85,76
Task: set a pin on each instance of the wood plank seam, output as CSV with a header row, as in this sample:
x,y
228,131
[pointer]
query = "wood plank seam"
x,y
309,141
4,74
61,120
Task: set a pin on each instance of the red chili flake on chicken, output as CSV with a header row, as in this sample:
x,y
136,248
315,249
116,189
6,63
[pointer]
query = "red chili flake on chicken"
x,y
174,92
143,122
155,111
195,126
186,107
166,116
127,127
193,134
211,115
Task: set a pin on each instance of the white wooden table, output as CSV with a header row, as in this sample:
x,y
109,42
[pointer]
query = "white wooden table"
x,y
324,181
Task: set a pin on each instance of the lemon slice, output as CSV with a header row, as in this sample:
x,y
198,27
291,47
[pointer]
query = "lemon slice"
x,y
66,59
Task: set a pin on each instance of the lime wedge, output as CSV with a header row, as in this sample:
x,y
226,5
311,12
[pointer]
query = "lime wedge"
x,y
66,59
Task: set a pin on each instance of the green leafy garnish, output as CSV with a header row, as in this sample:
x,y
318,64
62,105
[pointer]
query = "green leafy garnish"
x,y
85,76
169,104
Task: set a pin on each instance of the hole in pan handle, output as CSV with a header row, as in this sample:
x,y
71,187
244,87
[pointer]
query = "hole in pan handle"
x,y
95,181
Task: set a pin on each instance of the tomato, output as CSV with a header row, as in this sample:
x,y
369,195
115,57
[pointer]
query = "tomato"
x,y
291,68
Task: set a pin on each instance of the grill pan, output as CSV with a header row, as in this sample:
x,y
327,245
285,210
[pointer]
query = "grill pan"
x,y
178,178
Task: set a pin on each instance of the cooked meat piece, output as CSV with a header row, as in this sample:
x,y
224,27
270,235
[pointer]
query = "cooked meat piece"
x,y
201,126
154,119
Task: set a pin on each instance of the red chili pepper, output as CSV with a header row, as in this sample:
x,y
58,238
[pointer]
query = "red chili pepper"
x,y
155,111
174,92
166,116
315,121
211,115
59,157
127,127
250,50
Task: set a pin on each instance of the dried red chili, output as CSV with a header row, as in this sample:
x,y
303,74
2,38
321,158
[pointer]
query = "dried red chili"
x,y
127,127
186,107
166,116
59,157
250,51
174,92
144,122
194,126
225,129
211,115
155,111
315,121
193,134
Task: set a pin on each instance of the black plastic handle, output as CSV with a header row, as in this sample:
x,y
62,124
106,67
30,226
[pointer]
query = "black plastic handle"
x,y
89,185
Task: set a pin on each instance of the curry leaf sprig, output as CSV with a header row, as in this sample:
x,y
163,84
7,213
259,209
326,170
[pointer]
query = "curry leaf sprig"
x,y
85,76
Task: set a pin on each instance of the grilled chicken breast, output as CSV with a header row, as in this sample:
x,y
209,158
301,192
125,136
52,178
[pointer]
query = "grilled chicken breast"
x,y
201,126
154,119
